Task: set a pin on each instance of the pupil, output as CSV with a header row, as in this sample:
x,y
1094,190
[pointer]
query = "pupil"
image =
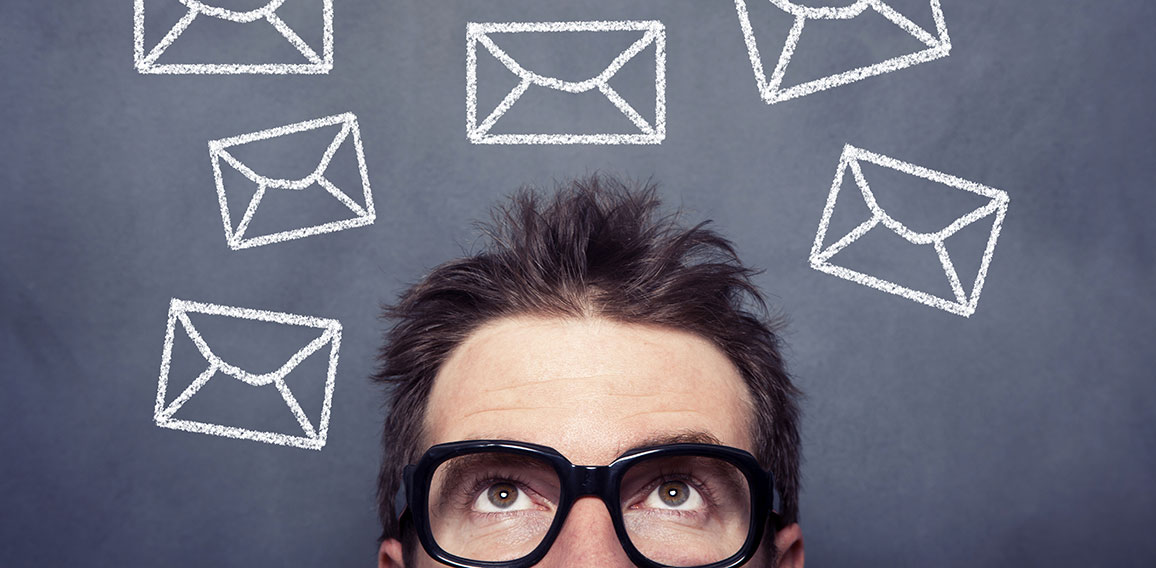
x,y
674,493
503,495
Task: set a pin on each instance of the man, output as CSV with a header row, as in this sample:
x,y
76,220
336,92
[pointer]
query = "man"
x,y
589,390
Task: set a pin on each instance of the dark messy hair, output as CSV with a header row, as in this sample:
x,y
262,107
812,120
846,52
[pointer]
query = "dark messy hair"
x,y
597,248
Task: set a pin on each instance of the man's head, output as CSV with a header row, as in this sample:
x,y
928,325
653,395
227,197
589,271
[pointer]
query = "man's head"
x,y
592,325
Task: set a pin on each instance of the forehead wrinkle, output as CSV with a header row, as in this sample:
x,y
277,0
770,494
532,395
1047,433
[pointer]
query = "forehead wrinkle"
x,y
663,411
612,386
642,395
540,382
577,399
512,409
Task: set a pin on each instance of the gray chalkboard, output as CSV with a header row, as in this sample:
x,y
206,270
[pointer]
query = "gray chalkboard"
x,y
1023,435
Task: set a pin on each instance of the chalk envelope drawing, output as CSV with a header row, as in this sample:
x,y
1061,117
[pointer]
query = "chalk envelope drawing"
x,y
362,213
938,44
312,435
488,36
964,302
310,62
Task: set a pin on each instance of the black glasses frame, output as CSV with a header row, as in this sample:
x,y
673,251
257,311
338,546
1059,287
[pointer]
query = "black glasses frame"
x,y
602,481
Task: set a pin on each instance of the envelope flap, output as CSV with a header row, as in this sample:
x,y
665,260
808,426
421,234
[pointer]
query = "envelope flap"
x,y
274,367
571,56
289,158
250,10
920,205
823,9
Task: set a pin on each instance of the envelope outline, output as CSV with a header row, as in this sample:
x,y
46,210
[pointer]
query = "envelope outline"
x,y
655,33
772,91
963,303
235,236
311,438
318,64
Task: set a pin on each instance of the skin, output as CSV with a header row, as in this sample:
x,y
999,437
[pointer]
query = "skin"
x,y
592,389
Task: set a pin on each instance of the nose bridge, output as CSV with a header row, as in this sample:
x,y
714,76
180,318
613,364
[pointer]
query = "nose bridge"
x,y
588,536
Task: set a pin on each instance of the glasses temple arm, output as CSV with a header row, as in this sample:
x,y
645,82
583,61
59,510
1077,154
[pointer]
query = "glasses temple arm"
x,y
400,502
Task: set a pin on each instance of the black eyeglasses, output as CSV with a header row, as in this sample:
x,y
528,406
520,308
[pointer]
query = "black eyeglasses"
x,y
498,503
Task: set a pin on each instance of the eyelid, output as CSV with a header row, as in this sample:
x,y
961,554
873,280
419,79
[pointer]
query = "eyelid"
x,y
697,485
483,504
483,480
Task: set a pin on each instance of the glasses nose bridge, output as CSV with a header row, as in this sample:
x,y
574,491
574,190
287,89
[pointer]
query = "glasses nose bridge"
x,y
591,480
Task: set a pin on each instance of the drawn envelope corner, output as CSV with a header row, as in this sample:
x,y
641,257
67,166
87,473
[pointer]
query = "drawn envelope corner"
x,y
148,59
963,302
654,33
936,44
362,213
310,437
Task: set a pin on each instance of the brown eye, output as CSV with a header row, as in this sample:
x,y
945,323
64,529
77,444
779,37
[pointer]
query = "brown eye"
x,y
673,493
502,495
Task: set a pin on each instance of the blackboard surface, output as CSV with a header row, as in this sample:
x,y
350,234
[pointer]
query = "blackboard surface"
x,y
1023,435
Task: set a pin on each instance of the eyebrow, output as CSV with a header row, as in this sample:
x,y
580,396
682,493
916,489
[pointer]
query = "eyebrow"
x,y
687,437
684,437
458,469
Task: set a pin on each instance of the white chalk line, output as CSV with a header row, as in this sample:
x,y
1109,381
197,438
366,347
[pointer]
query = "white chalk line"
x,y
905,24
166,360
341,196
169,38
507,102
980,278
479,33
363,215
362,169
283,236
294,407
785,57
949,270
626,109
772,91
313,438
294,128
318,64
752,45
825,12
963,303
243,226
189,392
295,39
237,16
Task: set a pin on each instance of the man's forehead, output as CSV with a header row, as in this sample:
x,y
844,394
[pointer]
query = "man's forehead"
x,y
568,382
551,349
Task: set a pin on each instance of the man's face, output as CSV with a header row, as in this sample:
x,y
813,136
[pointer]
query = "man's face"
x,y
592,389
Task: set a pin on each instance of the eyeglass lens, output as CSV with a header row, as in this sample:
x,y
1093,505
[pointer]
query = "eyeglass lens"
x,y
677,510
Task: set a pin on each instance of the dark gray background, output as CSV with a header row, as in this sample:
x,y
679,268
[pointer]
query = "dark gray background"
x,y
1023,436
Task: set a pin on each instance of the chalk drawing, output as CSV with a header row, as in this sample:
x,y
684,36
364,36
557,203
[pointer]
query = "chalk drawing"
x,y
964,302
310,437
772,89
362,214
311,62
654,33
